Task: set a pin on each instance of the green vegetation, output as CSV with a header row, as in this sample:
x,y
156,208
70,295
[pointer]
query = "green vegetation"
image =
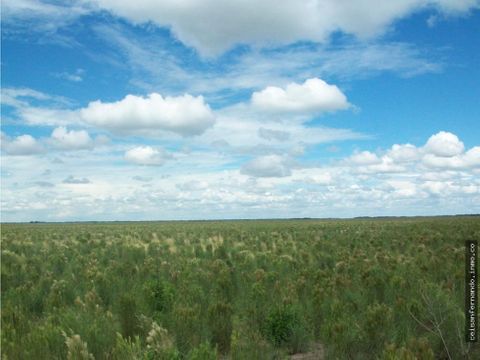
x,y
364,289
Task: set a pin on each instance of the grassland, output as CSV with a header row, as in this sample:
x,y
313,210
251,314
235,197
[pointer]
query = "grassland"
x,y
361,289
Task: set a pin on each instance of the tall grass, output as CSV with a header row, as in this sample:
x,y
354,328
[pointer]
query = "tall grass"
x,y
364,289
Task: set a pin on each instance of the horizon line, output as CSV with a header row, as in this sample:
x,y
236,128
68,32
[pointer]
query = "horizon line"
x,y
378,217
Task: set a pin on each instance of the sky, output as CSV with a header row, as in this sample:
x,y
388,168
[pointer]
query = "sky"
x,y
212,109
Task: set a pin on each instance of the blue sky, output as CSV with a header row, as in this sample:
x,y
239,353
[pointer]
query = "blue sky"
x,y
240,109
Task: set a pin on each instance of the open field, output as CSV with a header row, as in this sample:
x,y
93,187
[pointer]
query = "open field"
x,y
357,289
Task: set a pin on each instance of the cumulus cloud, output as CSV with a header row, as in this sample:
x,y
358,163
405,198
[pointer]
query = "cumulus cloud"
x,y
315,176
21,145
442,150
404,153
403,188
73,180
60,139
367,162
184,115
146,155
267,166
198,187
385,165
445,150
444,144
313,96
71,140
213,26
364,158
469,159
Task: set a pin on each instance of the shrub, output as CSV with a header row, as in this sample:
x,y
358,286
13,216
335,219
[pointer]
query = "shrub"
x,y
159,295
284,327
127,313
220,322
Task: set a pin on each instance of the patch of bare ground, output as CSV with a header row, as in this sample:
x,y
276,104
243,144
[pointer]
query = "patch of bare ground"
x,y
316,353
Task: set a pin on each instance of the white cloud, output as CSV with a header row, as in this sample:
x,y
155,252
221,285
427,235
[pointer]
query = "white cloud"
x,y
432,21
73,180
16,96
435,187
102,140
316,176
271,134
37,8
386,165
145,179
214,26
76,76
364,158
313,96
245,131
469,159
21,145
184,115
60,139
404,153
37,108
156,69
38,116
444,144
203,184
267,166
146,155
472,157
193,185
42,17
240,127
71,140
443,150
403,188
366,162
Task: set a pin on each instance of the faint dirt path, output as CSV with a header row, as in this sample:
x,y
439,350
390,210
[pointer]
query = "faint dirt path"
x,y
316,353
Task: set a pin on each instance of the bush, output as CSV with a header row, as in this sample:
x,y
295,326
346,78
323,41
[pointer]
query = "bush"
x,y
284,327
127,313
220,322
159,295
